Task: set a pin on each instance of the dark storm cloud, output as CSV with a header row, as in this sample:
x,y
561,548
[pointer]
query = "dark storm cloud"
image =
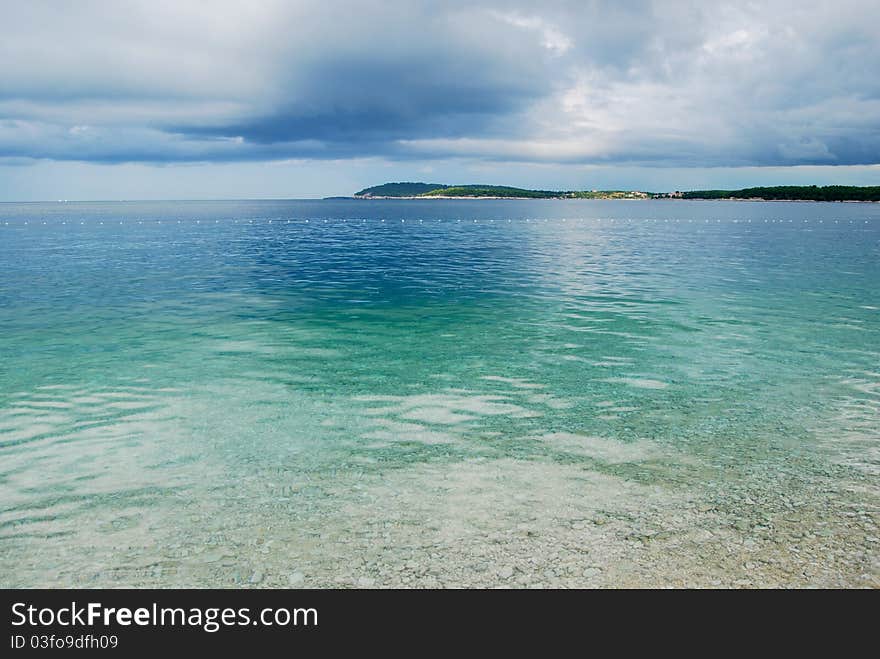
x,y
375,99
657,83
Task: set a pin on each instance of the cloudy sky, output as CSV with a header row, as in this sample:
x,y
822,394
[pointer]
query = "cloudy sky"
x,y
295,98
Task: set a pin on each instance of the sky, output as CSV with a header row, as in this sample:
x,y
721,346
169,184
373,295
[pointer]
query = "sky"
x,y
177,99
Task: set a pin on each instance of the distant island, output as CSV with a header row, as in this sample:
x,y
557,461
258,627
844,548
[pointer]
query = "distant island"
x,y
418,190
409,190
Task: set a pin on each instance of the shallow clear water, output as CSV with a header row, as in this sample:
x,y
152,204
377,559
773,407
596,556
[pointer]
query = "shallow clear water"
x,y
419,393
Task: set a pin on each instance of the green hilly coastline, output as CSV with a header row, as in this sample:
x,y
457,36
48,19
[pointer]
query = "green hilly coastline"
x,y
405,189
418,190
409,190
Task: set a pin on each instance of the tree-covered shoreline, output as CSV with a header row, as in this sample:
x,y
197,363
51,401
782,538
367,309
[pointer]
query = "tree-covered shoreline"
x,y
411,190
790,193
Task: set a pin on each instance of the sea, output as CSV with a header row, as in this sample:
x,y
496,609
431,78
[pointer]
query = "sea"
x,y
439,393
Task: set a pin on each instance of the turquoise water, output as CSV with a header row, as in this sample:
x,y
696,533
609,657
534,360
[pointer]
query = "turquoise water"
x,y
439,393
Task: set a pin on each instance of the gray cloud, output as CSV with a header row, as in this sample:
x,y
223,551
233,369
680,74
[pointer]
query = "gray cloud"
x,y
640,83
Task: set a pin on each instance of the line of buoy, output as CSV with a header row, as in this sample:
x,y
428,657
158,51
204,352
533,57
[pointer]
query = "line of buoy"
x,y
563,220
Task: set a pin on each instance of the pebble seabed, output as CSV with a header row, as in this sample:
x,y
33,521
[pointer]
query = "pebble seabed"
x,y
480,522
